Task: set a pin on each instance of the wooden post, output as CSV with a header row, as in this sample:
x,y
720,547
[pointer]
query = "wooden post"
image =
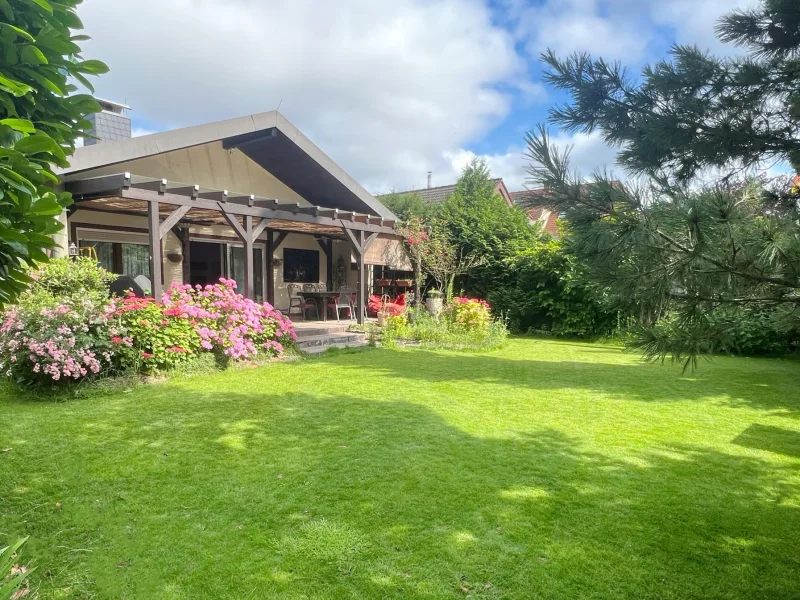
x,y
154,239
362,280
270,270
249,287
329,264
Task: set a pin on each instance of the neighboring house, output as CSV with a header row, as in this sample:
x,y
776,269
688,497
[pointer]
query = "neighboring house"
x,y
544,216
251,199
441,193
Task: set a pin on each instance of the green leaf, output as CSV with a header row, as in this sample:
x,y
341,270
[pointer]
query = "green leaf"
x,y
12,235
18,31
32,55
14,87
95,67
46,206
21,125
45,82
39,142
85,82
44,5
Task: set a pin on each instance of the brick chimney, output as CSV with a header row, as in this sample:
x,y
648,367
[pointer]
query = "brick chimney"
x,y
111,124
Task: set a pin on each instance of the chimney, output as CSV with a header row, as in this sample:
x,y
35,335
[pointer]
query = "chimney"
x,y
429,179
109,125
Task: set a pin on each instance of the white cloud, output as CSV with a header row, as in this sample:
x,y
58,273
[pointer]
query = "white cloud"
x,y
628,30
140,131
382,87
589,153
694,21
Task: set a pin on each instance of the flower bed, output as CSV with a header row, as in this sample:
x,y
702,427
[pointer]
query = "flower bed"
x,y
52,336
466,324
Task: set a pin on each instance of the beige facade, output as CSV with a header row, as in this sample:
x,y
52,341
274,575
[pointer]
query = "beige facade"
x,y
209,166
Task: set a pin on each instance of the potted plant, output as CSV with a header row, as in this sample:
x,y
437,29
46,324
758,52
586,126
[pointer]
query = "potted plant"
x,y
403,283
434,302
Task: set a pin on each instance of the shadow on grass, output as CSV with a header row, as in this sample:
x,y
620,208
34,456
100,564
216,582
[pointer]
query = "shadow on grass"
x,y
231,495
722,379
771,439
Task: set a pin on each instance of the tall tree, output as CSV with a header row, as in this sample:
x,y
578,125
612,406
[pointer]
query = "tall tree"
x,y
480,222
40,120
668,245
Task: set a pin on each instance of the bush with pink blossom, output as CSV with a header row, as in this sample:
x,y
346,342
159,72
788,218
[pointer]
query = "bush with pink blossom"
x,y
229,323
148,337
66,342
56,335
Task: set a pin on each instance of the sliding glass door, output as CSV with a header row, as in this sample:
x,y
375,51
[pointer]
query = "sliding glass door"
x,y
236,269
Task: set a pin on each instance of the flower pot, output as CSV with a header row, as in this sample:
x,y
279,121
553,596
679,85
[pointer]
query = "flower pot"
x,y
404,283
435,305
381,319
383,282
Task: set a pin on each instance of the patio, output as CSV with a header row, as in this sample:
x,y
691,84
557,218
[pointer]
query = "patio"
x,y
253,221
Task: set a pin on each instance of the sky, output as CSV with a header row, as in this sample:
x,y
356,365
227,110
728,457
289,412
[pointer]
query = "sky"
x,y
389,89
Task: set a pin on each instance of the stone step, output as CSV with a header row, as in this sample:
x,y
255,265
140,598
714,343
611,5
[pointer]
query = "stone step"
x,y
321,349
306,332
306,343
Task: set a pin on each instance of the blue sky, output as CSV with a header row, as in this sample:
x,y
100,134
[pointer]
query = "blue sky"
x,y
389,89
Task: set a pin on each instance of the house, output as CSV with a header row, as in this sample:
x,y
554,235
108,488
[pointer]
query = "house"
x,y
544,216
441,193
250,198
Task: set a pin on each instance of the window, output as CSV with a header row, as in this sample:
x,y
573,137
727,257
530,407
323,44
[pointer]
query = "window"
x,y
300,266
135,259
123,259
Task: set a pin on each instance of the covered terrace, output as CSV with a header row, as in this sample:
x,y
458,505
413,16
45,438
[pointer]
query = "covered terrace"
x,y
170,206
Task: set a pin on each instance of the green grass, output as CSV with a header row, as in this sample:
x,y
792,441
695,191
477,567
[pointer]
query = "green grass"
x,y
544,470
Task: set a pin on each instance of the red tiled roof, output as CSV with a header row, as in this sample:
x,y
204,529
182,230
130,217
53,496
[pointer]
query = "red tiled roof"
x,y
443,192
546,216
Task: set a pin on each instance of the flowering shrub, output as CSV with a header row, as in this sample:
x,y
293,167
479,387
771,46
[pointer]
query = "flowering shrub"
x,y
56,334
46,345
228,322
148,337
467,325
469,314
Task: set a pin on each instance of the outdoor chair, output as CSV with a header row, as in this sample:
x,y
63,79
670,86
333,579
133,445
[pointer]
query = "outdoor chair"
x,y
342,301
296,300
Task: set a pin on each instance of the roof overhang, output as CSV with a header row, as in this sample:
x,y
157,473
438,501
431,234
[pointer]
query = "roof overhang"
x,y
268,139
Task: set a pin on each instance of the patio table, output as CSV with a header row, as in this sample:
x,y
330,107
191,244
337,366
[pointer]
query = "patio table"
x,y
321,298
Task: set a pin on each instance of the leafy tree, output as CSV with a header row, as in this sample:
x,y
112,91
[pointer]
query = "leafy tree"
x,y
40,119
407,205
479,221
668,245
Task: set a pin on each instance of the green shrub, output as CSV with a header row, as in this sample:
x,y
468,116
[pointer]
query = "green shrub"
x,y
541,290
729,329
67,280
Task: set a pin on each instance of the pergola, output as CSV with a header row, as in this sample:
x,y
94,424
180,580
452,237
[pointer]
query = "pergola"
x,y
167,204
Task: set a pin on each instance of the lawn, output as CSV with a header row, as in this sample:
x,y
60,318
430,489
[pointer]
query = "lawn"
x,y
545,470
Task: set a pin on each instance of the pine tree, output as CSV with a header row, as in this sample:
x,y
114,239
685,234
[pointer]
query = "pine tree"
x,y
689,260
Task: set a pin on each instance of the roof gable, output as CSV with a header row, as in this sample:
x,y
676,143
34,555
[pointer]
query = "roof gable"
x,y
268,139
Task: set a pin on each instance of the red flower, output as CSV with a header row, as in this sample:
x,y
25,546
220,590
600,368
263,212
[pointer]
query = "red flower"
x,y
146,355
116,339
176,349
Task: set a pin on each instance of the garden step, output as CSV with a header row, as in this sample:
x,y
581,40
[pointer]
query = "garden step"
x,y
304,332
328,339
321,349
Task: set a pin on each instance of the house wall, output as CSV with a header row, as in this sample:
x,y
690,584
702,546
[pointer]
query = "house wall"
x,y
210,166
